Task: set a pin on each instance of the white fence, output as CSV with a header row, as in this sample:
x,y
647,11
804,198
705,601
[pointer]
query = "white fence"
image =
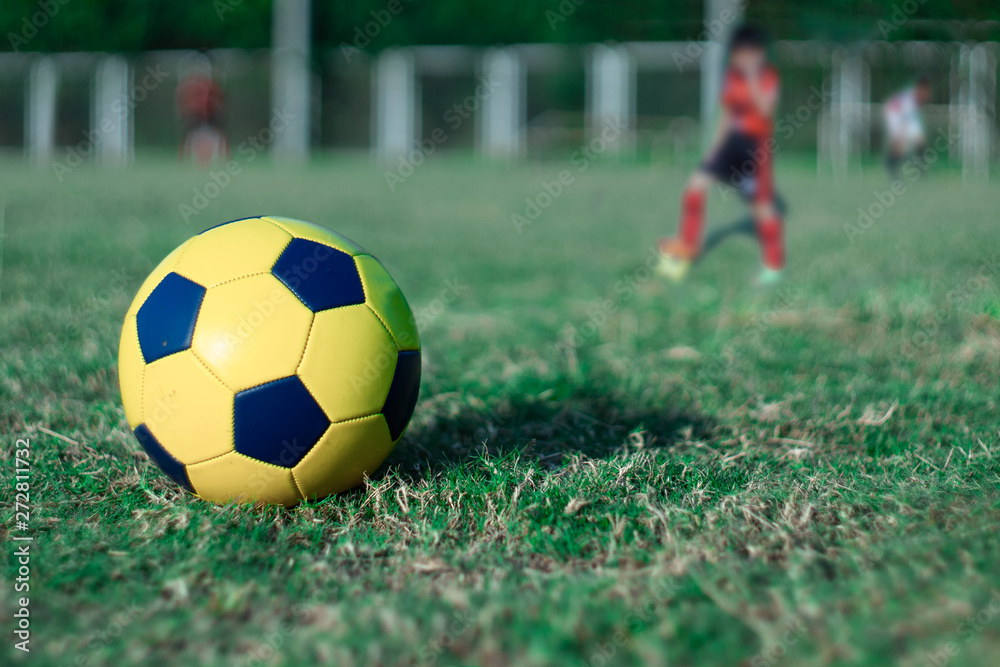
x,y
830,100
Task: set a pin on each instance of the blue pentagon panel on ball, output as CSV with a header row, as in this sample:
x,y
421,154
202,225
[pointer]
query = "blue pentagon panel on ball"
x,y
320,276
166,320
277,422
170,465
402,398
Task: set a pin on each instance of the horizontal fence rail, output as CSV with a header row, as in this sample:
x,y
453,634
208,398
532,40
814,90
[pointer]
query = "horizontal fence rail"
x,y
503,103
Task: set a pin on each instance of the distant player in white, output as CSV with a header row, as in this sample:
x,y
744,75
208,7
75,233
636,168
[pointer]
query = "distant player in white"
x,y
904,124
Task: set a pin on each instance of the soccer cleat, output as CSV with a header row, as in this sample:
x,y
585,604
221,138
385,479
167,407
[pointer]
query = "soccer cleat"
x,y
768,277
675,259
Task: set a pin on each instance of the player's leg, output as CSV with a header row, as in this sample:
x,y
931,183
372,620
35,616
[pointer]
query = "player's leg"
x,y
222,139
184,148
743,226
894,143
894,159
215,120
916,143
691,227
769,221
678,253
771,235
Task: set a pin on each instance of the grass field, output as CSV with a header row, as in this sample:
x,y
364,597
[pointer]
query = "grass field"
x,y
603,469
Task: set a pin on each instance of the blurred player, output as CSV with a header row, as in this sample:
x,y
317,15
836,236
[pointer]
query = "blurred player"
x,y
742,156
200,104
904,124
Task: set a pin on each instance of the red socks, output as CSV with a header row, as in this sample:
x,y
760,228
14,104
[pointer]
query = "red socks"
x,y
692,222
770,232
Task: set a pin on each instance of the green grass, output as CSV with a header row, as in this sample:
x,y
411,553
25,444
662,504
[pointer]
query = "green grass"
x,y
706,475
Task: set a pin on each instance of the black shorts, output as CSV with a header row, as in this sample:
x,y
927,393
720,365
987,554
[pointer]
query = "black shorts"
x,y
745,163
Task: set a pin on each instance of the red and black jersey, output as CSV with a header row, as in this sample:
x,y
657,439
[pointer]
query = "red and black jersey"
x,y
199,98
738,101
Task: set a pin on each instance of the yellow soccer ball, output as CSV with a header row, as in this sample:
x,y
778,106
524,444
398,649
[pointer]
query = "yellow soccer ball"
x,y
269,360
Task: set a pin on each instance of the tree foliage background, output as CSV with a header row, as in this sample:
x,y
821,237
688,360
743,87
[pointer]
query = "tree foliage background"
x,y
132,25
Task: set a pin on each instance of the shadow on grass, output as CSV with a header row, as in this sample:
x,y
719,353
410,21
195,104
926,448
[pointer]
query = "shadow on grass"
x,y
451,431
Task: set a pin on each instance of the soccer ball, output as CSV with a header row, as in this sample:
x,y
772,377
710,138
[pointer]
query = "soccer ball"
x,y
268,360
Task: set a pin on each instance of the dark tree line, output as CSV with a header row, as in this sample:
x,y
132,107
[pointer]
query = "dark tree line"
x,y
133,25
